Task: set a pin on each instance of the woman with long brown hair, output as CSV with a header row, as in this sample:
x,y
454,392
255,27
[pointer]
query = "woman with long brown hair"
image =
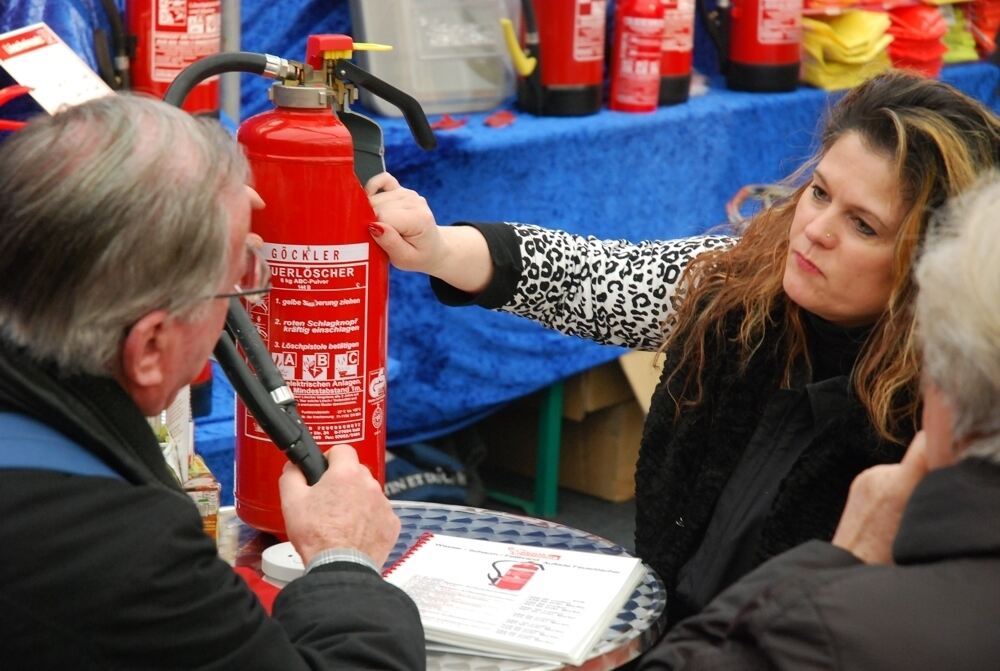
x,y
789,363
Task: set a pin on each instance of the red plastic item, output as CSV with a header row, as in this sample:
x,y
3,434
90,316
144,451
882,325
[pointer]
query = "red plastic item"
x,y
917,31
7,94
317,44
448,122
500,119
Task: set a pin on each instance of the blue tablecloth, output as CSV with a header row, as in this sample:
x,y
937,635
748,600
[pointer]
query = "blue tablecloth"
x,y
618,175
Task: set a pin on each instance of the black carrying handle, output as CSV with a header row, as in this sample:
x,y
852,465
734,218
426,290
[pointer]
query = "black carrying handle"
x,y
420,128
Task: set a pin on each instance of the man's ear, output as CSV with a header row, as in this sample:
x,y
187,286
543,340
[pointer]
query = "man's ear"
x,y
143,356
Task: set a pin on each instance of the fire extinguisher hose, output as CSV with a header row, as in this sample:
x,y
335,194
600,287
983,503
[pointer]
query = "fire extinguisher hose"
x,y
227,61
267,396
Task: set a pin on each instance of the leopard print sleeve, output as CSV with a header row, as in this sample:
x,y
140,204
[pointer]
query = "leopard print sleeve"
x,y
612,291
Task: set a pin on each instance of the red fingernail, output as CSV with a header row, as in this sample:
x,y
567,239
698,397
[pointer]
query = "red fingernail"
x,y
376,230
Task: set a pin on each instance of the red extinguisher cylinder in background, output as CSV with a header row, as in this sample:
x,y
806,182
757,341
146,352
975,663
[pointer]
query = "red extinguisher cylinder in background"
x,y
571,35
170,35
676,51
765,37
635,65
325,319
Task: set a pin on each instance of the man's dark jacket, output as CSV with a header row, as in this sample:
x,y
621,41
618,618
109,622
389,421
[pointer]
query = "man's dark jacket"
x,y
108,573
817,607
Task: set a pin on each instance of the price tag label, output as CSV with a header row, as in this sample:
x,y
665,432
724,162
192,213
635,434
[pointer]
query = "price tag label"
x,y
37,58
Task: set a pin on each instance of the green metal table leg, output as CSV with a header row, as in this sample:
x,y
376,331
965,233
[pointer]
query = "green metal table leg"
x,y
546,498
547,459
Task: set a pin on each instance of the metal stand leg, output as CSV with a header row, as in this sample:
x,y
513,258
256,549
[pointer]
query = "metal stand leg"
x,y
546,460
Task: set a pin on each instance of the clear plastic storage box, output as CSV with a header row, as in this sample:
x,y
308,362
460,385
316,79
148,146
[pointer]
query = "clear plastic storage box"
x,y
448,54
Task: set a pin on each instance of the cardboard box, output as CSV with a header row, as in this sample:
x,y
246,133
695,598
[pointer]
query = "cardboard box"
x,y
597,455
642,370
595,389
603,412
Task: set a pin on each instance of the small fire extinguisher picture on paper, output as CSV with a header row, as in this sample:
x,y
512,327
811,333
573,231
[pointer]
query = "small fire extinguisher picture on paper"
x,y
513,577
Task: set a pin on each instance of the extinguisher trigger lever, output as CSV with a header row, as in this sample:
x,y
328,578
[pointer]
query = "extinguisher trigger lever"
x,y
420,128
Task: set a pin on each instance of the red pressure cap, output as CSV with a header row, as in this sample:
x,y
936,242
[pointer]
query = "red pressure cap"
x,y
317,46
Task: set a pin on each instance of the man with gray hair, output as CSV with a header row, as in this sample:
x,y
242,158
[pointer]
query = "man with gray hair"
x,y
911,579
125,230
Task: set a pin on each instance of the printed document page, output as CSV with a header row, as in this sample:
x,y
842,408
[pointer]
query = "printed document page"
x,y
517,601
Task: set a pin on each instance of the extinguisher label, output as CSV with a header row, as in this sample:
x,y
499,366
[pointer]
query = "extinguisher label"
x,y
778,21
678,25
588,34
183,31
313,322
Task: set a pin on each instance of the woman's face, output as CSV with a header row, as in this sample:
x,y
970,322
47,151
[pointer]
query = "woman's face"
x,y
840,246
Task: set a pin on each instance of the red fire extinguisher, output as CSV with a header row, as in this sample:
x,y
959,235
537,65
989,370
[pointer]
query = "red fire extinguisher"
x,y
324,322
676,50
170,35
758,42
561,66
635,64
516,576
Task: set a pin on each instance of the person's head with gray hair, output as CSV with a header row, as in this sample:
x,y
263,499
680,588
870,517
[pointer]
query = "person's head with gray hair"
x,y
110,209
958,318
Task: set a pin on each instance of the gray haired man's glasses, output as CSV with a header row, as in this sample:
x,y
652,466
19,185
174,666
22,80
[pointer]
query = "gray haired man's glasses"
x,y
255,280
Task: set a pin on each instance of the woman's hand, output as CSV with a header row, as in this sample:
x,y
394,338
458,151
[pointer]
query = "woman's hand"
x,y
876,502
406,230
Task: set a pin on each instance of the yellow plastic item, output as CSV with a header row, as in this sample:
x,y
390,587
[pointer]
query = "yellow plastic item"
x,y
358,46
833,76
824,51
850,33
524,65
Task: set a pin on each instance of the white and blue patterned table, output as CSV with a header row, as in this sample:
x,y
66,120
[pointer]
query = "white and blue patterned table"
x,y
636,627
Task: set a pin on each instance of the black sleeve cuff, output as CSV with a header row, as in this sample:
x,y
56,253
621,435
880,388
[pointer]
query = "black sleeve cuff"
x,y
343,566
505,252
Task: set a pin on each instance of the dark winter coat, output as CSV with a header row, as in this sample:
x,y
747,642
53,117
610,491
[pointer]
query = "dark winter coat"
x,y
818,608
685,462
116,573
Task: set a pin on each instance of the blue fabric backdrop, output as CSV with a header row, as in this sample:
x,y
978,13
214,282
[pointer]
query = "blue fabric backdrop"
x,y
658,175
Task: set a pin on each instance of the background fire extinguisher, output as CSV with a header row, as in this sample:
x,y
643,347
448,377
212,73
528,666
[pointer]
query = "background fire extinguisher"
x,y
168,36
758,42
676,51
561,67
635,62
324,324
